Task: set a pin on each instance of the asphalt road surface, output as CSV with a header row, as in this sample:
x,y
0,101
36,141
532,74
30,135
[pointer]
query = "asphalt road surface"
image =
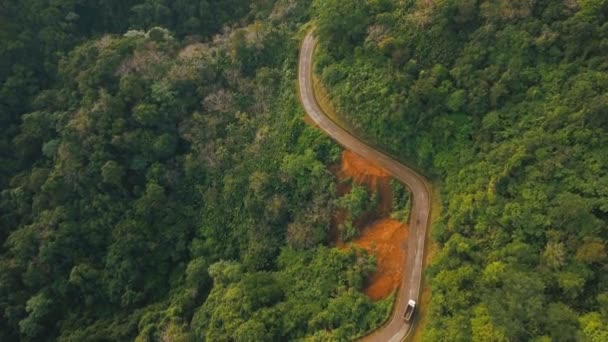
x,y
396,329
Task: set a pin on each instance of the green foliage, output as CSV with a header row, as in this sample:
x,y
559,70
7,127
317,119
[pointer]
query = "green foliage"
x,y
594,327
112,172
38,309
503,102
348,231
400,201
341,24
283,304
134,165
482,328
37,34
357,202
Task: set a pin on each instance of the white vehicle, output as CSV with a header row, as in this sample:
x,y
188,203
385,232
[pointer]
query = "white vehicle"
x,y
409,310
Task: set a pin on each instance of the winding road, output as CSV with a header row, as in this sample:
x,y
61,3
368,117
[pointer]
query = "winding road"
x,y
396,329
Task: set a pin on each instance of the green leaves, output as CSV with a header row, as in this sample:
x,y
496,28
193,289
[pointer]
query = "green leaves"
x,y
483,329
502,101
313,290
594,327
112,172
38,309
341,25
357,202
151,158
306,173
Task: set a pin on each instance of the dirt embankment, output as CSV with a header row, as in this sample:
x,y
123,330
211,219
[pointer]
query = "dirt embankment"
x,y
382,236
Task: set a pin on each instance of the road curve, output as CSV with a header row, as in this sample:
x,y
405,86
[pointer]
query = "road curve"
x,y
396,329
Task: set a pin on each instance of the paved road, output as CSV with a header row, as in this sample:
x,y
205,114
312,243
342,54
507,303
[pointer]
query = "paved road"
x,y
396,329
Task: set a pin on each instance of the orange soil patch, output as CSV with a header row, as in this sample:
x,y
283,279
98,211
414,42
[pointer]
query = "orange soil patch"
x,y
384,237
360,169
363,172
387,240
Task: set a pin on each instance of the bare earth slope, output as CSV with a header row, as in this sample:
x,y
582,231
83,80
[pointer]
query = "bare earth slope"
x,y
396,329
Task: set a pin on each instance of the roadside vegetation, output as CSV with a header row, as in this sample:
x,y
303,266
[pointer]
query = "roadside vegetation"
x,y
401,204
504,103
358,202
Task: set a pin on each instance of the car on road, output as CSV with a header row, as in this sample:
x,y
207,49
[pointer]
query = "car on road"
x,y
409,310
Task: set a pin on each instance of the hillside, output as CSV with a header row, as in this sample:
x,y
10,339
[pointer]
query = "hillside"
x,y
158,181
505,103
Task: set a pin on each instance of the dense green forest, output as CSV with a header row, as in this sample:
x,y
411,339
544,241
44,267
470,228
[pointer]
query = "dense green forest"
x,y
158,181
505,104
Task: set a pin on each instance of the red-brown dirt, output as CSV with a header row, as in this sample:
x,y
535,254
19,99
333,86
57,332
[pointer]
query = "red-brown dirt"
x,y
373,177
380,235
387,240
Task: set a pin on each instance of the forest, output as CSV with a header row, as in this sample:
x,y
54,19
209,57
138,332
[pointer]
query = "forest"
x,y
504,105
158,181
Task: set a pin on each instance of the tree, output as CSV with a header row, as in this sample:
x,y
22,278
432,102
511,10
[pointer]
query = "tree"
x,y
151,13
562,322
307,172
591,252
554,254
301,235
112,172
492,274
259,182
176,333
147,114
197,275
348,230
165,146
225,272
38,308
153,198
515,306
594,328
571,283
49,149
341,25
357,202
252,331
482,327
